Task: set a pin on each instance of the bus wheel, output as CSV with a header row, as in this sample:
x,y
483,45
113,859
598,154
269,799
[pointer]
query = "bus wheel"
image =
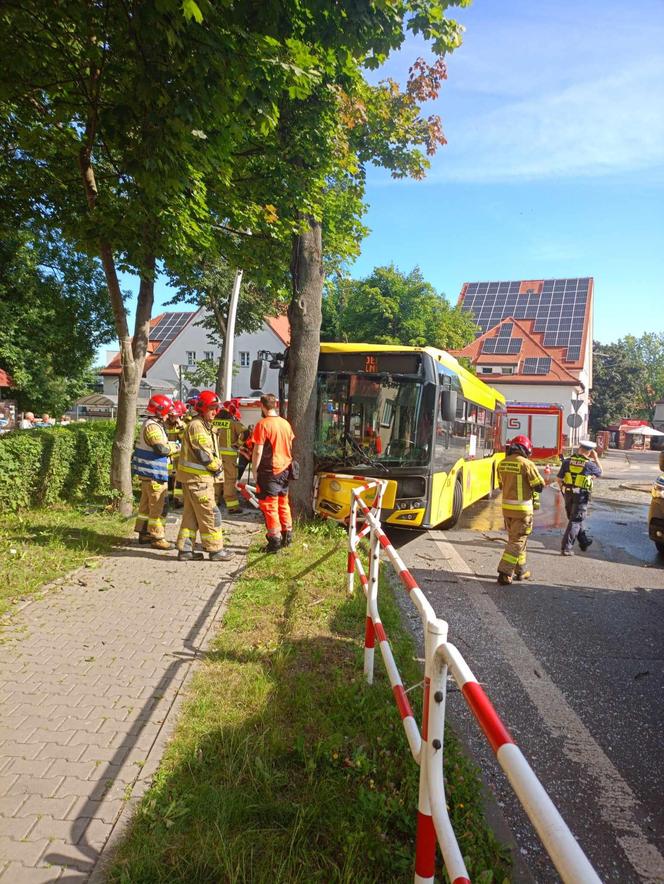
x,y
457,505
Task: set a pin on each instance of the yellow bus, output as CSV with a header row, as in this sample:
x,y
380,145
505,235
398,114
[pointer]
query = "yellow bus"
x,y
413,416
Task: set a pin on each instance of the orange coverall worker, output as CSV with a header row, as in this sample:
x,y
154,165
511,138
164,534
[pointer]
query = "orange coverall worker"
x,y
273,437
518,477
150,464
198,463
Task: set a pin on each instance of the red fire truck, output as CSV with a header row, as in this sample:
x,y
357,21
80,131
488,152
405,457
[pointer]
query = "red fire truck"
x,y
542,422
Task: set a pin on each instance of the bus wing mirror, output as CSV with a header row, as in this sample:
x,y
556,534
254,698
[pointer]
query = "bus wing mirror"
x,y
448,404
258,374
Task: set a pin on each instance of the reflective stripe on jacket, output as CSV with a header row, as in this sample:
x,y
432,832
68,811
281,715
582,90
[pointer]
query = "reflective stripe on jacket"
x,y
229,433
519,478
145,462
575,478
198,437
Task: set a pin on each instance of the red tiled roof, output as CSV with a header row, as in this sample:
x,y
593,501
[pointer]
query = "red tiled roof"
x,y
281,327
114,367
531,347
6,380
537,288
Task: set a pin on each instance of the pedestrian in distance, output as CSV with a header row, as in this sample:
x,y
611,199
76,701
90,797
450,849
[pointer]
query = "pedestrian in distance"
x,y
27,422
199,464
272,463
150,463
519,479
575,479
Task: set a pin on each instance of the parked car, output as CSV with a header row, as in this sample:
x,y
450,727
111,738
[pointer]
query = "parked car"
x,y
656,511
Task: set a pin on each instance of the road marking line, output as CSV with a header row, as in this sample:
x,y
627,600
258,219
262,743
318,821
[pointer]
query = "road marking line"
x,y
617,801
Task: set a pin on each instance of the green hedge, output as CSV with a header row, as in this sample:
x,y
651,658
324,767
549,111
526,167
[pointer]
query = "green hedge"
x,y
42,467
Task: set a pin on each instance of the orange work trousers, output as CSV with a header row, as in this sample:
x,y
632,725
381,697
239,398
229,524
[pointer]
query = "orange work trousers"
x,y
277,514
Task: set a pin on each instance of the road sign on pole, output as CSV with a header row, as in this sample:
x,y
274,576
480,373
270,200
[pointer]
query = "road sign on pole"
x,y
576,406
574,421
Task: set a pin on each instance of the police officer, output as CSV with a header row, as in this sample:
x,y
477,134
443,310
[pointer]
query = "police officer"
x,y
229,432
519,478
150,463
575,479
198,465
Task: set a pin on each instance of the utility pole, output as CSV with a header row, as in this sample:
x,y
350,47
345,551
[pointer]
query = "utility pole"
x,y
230,336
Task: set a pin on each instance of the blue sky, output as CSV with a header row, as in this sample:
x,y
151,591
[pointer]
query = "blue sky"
x,y
554,167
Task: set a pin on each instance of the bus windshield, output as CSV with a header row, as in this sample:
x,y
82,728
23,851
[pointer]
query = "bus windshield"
x,y
376,420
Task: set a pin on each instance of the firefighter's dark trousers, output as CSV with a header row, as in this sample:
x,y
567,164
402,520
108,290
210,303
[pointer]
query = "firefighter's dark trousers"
x,y
518,526
576,507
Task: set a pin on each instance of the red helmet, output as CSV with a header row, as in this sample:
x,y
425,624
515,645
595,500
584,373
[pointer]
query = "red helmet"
x,y
179,408
523,442
160,405
207,399
192,397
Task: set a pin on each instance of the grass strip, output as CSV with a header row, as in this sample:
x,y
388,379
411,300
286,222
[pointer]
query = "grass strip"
x,y
285,766
38,546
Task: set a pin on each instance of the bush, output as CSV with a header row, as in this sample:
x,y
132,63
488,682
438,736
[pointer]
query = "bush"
x,y
42,467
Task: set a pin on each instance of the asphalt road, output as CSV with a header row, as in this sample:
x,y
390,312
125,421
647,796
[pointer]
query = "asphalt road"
x,y
573,662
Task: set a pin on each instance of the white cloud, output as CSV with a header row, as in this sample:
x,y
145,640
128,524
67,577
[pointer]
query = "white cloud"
x,y
610,124
551,89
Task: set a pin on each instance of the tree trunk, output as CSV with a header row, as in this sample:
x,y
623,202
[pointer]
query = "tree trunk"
x,y
132,353
304,313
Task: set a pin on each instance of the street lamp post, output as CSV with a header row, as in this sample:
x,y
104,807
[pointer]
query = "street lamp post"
x,y
230,336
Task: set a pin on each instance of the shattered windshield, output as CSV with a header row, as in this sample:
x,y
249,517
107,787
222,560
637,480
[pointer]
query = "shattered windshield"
x,y
377,420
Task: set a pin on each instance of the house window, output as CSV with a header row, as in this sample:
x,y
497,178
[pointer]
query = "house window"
x,y
191,357
244,358
508,369
485,370
208,354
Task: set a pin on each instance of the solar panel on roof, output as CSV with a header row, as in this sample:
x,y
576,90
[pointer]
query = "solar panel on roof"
x,y
560,300
168,328
536,365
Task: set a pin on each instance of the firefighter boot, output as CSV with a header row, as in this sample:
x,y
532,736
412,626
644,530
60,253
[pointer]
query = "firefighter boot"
x,y
522,575
286,538
273,543
162,543
188,556
221,555
504,579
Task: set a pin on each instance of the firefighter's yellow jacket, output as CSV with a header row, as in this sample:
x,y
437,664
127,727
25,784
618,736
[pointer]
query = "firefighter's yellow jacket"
x,y
518,477
199,455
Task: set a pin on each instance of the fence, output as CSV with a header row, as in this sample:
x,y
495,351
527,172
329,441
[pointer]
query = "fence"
x,y
441,656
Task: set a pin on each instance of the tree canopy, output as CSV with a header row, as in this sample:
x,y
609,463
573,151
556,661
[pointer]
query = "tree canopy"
x,y
628,379
54,315
391,307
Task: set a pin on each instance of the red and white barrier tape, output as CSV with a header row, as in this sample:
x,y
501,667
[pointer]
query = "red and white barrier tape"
x,y
427,749
248,493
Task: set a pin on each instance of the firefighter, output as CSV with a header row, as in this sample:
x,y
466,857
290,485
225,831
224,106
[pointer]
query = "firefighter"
x,y
271,461
175,426
575,479
519,478
150,464
198,465
229,432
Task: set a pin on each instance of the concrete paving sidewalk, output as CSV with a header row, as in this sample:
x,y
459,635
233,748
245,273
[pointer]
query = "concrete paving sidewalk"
x,y
90,680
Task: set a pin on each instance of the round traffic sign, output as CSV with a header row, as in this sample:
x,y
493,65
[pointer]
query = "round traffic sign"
x,y
574,420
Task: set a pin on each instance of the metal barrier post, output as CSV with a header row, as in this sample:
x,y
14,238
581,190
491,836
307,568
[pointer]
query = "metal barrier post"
x,y
352,541
434,710
372,604
425,838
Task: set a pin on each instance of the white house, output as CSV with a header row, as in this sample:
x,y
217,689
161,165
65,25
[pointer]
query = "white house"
x,y
179,340
534,342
